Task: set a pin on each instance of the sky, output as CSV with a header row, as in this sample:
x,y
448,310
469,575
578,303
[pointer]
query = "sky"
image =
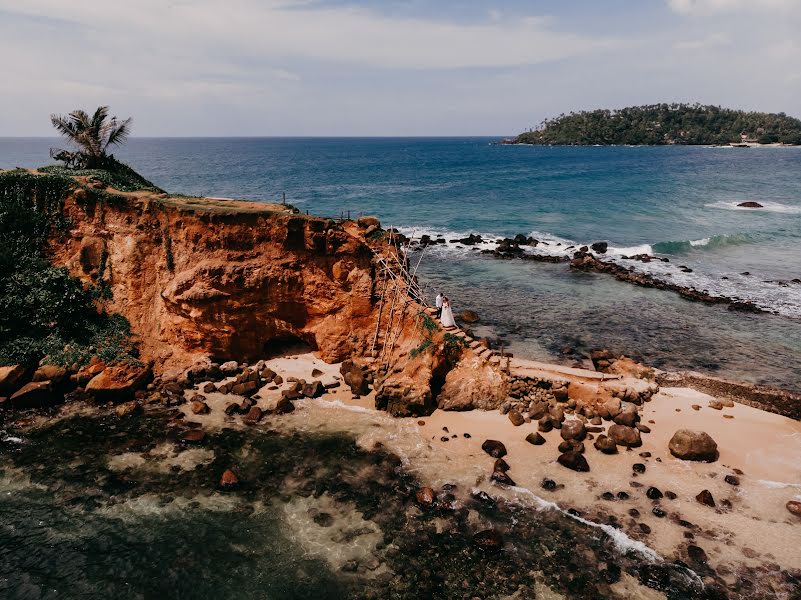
x,y
387,67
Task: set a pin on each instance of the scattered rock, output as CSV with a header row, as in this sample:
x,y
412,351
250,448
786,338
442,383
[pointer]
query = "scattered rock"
x,y
705,497
488,540
750,204
127,409
208,388
194,436
12,378
573,430
574,460
693,445
605,444
118,382
638,468
494,448
653,493
229,481
425,496
284,406
501,465
199,408
794,506
253,415
535,438
35,394
516,418
732,479
623,435
548,484
502,478
229,368
599,247
315,389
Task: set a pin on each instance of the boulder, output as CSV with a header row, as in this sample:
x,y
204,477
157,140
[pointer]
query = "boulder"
x,y
488,540
473,384
193,436
199,408
34,394
750,204
229,368
425,496
315,389
469,316
253,415
605,444
51,373
501,465
229,481
628,416
516,418
12,378
623,435
573,430
502,478
574,460
86,373
208,388
794,506
705,497
494,448
118,382
126,409
354,376
535,438
368,221
599,247
284,406
247,388
612,407
693,445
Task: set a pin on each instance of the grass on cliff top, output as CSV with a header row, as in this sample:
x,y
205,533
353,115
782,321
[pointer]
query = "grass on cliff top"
x,y
120,177
225,205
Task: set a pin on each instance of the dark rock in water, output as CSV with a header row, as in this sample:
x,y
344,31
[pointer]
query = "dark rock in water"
x,y
608,496
611,574
638,468
425,496
705,497
483,497
599,247
653,493
494,448
693,445
199,408
193,436
444,438
488,540
670,495
467,435
254,415
622,496
645,528
732,480
516,418
208,388
501,465
633,512
229,481
548,484
323,519
575,461
126,409
284,406
232,409
794,507
502,478
605,444
535,438
750,204
34,395
658,512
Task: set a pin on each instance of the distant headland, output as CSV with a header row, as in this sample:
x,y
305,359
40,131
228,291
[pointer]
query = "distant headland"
x,y
665,124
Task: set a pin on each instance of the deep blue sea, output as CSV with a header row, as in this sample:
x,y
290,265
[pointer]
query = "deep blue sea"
x,y
677,202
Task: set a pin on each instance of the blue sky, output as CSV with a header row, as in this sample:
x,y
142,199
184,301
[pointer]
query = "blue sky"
x,y
393,67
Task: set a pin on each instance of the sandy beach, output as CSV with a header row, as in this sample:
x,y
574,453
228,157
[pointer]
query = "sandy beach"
x,y
749,525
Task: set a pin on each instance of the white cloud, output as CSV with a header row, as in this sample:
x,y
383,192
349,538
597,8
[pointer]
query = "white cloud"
x,y
712,7
713,40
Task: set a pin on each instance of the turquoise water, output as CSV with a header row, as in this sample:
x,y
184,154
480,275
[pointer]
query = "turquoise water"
x,y
680,202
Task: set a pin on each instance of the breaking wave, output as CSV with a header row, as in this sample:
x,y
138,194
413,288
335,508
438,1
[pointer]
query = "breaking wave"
x,y
767,206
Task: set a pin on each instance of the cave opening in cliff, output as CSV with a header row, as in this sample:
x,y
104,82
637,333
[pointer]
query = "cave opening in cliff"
x,y
287,344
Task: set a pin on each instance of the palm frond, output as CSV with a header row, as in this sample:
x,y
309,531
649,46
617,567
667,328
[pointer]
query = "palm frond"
x,y
118,132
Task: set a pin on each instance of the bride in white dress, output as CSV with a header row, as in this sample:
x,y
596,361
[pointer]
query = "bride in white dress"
x,y
447,319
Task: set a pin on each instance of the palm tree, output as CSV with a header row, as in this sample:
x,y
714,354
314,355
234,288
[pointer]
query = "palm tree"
x,y
92,136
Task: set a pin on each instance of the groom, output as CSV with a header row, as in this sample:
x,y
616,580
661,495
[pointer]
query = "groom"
x,y
438,303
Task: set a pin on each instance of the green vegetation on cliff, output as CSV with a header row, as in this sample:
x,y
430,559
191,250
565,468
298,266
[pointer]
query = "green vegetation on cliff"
x,y
660,124
47,314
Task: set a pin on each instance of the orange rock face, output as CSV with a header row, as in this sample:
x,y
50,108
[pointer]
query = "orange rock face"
x,y
222,279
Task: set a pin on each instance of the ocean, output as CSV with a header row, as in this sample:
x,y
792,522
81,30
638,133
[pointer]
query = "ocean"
x,y
677,202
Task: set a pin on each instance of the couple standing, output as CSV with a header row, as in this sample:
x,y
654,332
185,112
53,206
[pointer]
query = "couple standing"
x,y
444,312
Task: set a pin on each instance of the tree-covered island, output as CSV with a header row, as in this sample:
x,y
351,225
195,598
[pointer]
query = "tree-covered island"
x,y
664,124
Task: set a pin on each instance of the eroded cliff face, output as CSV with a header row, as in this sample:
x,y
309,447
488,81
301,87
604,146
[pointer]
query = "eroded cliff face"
x,y
222,279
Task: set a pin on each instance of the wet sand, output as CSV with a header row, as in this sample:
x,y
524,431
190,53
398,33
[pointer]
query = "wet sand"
x,y
756,530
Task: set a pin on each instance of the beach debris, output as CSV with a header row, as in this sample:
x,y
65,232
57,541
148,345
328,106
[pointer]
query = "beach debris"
x,y
705,497
574,460
687,444
494,448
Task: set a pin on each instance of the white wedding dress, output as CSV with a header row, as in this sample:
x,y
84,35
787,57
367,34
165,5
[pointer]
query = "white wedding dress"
x,y
447,316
